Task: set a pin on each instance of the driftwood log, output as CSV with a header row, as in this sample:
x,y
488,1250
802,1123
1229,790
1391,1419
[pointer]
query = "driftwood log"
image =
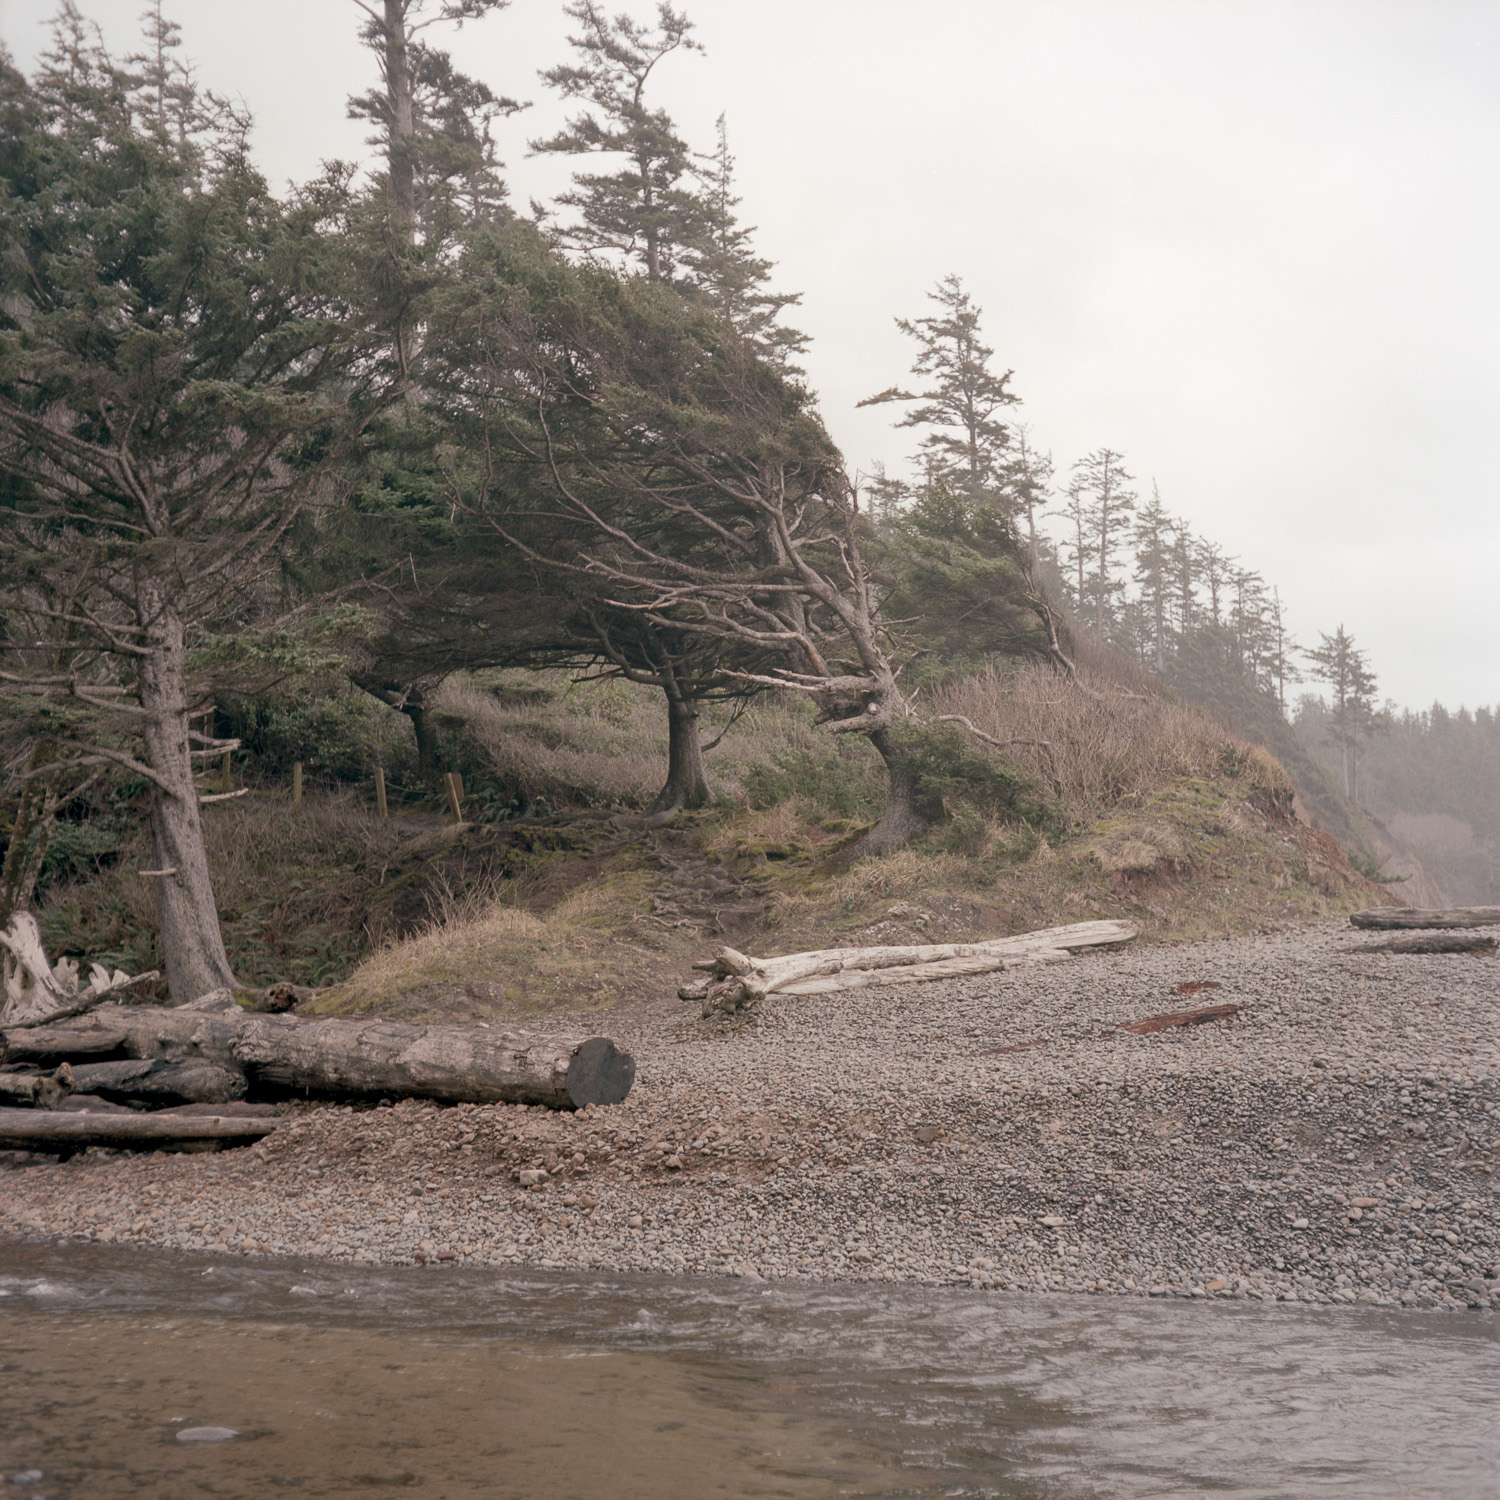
x,y
737,982
63,1132
1432,942
58,1043
1397,917
212,1050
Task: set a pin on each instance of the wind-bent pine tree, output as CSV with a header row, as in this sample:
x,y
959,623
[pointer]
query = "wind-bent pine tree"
x,y
966,447
645,212
184,362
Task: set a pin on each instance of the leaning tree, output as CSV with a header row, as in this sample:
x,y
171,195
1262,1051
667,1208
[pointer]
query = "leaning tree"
x,y
184,362
649,458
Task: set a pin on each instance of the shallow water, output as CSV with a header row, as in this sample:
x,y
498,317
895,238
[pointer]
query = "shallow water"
x,y
546,1385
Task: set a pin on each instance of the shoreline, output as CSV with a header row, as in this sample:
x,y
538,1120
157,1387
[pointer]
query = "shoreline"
x,y
1336,1142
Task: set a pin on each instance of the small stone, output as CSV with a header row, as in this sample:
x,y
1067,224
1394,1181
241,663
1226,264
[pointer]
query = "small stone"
x,y
1053,1221
1216,1285
633,1222
1299,1223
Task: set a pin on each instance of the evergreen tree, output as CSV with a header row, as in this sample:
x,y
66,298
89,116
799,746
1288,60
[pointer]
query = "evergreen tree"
x,y
645,212
1028,478
185,361
1100,503
432,122
1152,537
720,264
1352,715
965,449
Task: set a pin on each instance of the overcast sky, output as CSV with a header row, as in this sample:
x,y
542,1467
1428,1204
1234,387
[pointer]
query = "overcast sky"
x,y
1251,245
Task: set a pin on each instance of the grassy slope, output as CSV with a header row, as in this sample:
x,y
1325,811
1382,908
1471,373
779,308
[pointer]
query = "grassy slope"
x,y
1156,813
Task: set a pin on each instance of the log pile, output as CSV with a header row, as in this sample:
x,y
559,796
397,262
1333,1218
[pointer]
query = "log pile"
x,y
214,1052
736,983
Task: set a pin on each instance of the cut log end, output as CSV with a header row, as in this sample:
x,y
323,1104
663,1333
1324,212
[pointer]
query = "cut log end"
x,y
599,1073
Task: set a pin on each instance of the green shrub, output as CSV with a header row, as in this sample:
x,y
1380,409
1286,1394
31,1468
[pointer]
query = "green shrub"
x,y
837,786
339,737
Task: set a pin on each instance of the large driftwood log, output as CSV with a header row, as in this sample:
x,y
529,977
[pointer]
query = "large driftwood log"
x,y
58,1131
158,1081
1432,942
1396,917
58,1044
282,1054
739,982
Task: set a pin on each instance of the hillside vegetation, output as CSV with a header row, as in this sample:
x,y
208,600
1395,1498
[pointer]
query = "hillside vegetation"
x,y
557,892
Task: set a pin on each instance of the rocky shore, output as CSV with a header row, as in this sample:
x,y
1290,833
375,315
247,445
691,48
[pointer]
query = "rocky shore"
x,y
1335,1141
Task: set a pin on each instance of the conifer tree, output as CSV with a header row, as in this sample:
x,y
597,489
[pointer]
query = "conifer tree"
x,y
432,122
184,363
966,446
644,212
720,264
1100,500
1152,538
1352,716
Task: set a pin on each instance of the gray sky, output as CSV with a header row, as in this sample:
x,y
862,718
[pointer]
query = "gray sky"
x,y
1251,245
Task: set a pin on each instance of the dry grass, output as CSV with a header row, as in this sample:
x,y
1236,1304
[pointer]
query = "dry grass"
x,y
1103,748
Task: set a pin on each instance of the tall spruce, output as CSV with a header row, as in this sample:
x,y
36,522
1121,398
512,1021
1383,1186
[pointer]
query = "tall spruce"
x,y
1352,717
432,122
647,212
1100,503
966,446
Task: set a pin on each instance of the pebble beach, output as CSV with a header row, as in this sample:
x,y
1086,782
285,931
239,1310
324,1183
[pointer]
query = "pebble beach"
x,y
1332,1142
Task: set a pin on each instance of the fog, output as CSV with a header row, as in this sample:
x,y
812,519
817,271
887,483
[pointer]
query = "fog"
x,y
1251,246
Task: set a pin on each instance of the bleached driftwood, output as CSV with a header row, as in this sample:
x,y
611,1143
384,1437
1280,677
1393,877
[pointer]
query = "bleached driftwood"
x,y
738,981
34,992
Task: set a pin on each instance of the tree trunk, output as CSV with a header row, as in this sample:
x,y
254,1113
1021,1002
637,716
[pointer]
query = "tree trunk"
x,y
411,702
345,1058
187,917
687,781
402,126
906,813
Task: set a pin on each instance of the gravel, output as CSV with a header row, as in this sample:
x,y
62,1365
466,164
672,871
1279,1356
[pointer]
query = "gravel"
x,y
1333,1143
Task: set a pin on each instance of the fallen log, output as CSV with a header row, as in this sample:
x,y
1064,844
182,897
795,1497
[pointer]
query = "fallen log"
x,y
1180,1018
1395,917
67,1132
158,1081
58,1044
1432,942
350,1058
36,1090
737,982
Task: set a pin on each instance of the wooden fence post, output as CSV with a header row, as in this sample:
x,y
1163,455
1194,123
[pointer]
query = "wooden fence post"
x,y
297,784
380,793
